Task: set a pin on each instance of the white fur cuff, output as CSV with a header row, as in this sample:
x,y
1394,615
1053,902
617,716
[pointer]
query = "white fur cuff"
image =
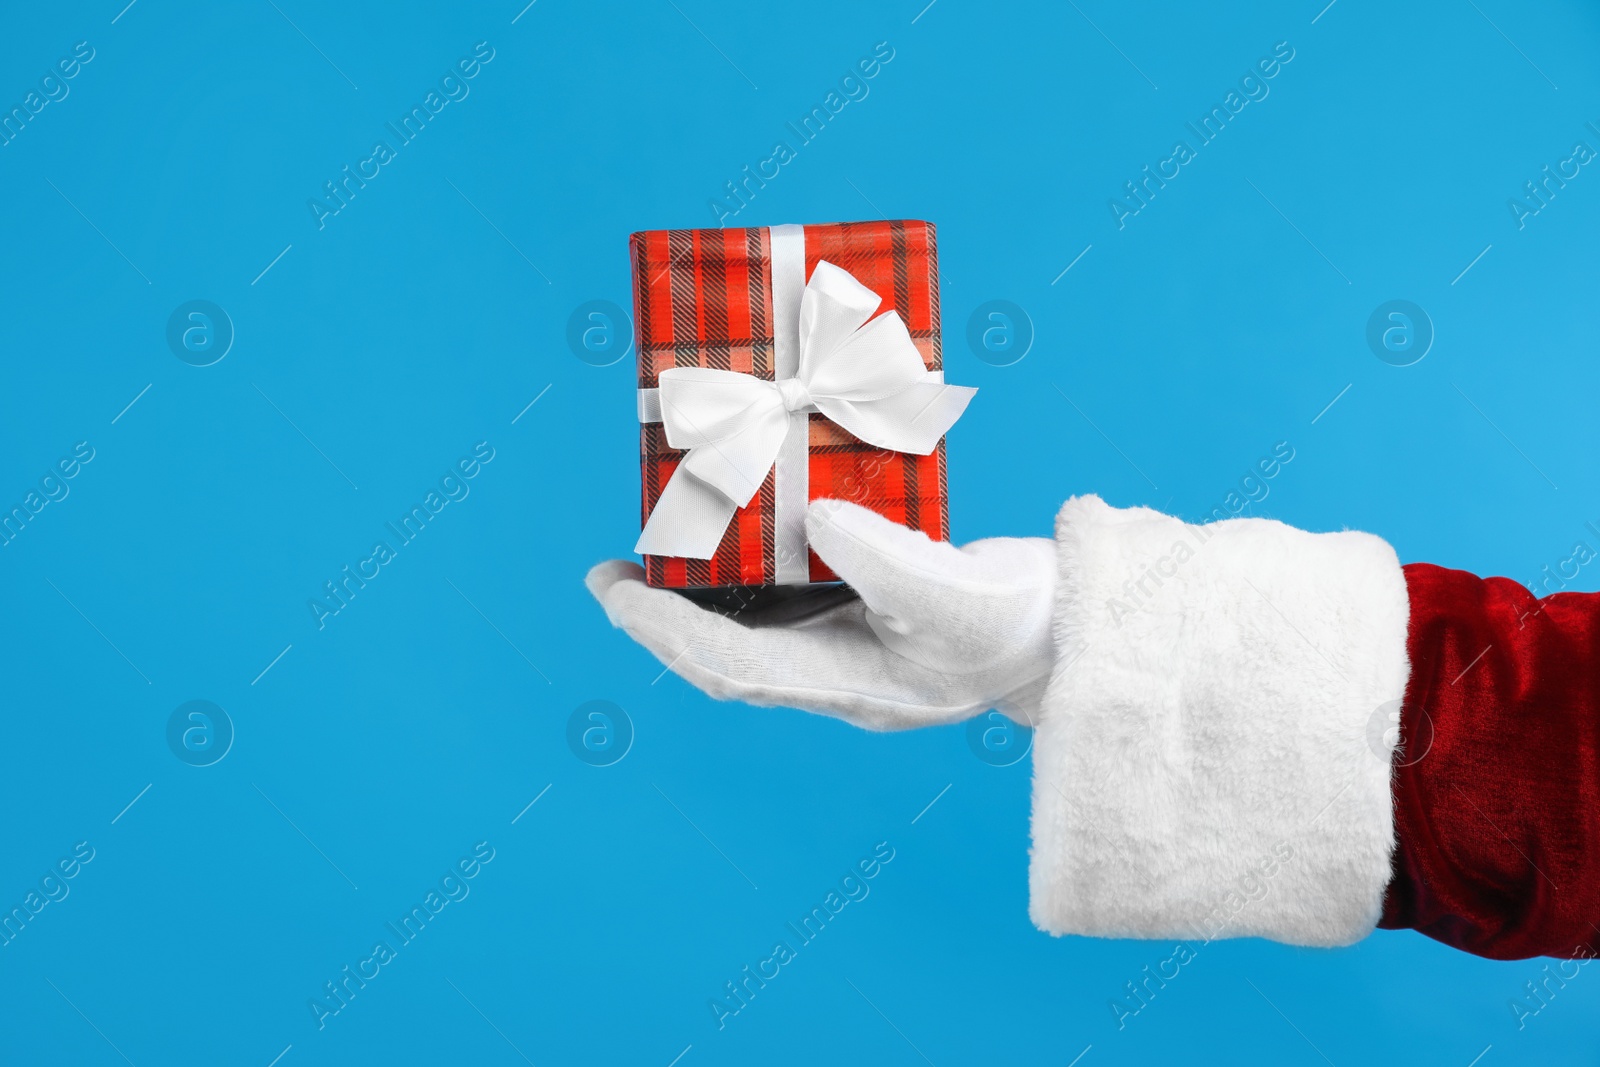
x,y
1206,764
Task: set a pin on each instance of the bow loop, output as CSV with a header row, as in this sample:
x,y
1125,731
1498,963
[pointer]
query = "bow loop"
x,y
834,306
700,405
875,361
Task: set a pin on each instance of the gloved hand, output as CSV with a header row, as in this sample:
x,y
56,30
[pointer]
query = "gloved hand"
x,y
937,635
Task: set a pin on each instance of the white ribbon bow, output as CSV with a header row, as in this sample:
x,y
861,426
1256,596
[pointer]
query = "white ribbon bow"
x,y
867,376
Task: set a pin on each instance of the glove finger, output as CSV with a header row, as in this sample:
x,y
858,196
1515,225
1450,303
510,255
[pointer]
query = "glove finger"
x,y
834,666
901,573
602,576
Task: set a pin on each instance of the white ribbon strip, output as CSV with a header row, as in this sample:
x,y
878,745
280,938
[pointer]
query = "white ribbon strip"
x,y
791,480
830,355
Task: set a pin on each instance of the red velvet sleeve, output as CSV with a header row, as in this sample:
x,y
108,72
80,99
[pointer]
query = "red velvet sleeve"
x,y
1497,786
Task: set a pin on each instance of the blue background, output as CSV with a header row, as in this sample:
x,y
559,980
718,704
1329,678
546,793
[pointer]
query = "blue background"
x,y
426,315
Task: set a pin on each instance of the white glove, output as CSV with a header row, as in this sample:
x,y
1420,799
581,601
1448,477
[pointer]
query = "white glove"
x,y
939,633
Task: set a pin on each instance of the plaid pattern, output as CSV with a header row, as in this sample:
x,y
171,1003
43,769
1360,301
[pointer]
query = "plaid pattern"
x,y
703,298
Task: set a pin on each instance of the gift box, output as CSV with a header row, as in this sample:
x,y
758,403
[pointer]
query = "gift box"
x,y
760,351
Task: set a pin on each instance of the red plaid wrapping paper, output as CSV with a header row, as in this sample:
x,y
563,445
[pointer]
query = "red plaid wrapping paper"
x,y
703,298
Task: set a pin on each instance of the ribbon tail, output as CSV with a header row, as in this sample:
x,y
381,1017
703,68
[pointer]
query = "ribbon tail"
x,y
688,520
